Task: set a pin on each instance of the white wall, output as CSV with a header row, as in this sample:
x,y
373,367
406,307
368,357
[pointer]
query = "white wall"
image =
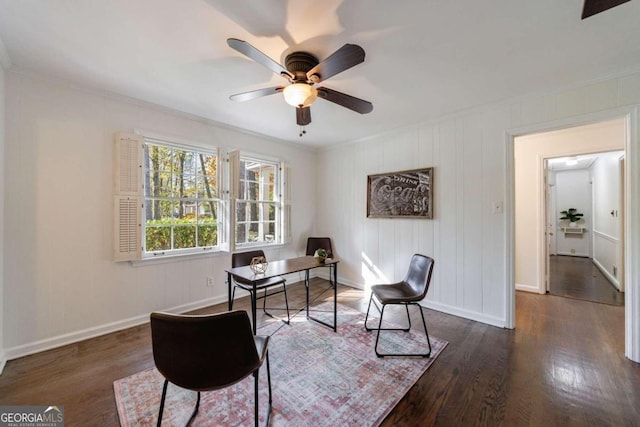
x,y
529,152
607,216
467,240
2,169
573,190
60,281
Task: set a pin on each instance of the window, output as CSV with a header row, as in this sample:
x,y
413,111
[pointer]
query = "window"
x,y
173,199
181,203
258,209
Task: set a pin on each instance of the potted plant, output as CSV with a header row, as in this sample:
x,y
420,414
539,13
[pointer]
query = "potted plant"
x,y
321,254
572,215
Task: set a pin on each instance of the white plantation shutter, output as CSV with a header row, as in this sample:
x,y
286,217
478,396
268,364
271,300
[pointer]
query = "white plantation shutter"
x,y
128,164
231,195
128,200
234,174
285,203
128,228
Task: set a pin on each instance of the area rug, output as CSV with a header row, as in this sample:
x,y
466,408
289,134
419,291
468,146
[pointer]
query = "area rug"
x,y
319,378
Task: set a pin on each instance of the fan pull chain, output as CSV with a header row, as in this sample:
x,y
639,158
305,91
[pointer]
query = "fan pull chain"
x,y
302,131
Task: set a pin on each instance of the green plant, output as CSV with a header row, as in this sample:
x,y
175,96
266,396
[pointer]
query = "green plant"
x,y
322,253
571,215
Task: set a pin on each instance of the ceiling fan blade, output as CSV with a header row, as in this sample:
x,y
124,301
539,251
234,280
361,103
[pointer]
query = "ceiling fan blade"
x,y
251,52
593,7
303,116
351,102
246,96
342,59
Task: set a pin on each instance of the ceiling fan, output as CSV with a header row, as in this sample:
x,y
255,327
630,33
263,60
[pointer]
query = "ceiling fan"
x,y
304,72
593,7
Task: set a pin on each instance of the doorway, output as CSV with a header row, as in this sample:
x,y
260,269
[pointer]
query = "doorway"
x,y
585,229
526,222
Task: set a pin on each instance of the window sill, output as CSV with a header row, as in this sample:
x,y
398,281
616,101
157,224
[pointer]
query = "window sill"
x,y
165,259
259,245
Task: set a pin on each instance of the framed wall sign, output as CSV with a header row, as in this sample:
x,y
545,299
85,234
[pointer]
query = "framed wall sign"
x,y
406,194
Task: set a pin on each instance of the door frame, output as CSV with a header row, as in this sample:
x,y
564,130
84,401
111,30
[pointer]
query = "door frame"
x,y
631,213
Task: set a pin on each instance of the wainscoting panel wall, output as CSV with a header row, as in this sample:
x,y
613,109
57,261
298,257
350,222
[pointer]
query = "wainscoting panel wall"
x,y
60,281
467,236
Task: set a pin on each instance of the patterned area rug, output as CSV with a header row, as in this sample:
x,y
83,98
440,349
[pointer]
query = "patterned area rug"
x,y
319,378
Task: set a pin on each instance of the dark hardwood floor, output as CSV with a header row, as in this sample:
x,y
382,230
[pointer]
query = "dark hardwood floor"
x,y
562,366
577,277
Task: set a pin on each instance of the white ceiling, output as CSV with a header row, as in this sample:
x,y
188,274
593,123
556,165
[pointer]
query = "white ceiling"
x,y
425,58
583,161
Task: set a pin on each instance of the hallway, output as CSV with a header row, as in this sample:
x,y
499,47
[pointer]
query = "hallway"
x,y
579,278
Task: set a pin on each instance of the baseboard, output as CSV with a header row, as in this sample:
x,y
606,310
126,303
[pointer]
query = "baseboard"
x,y
471,315
65,339
3,360
528,288
324,274
606,274
73,337
444,308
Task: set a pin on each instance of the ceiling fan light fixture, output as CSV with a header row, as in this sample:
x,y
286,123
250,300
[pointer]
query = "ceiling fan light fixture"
x,y
300,94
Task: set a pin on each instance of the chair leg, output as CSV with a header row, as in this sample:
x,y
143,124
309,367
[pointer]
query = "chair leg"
x,y
375,348
164,394
195,410
256,376
425,330
406,307
286,302
269,382
380,328
367,316
233,297
380,323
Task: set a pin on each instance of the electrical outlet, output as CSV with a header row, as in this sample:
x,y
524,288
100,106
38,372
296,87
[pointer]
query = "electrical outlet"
x,y
210,281
573,251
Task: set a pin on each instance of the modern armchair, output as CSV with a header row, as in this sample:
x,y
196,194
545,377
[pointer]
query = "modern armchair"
x,y
315,243
207,352
241,259
409,291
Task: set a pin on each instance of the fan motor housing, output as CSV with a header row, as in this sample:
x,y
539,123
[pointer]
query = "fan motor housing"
x,y
299,63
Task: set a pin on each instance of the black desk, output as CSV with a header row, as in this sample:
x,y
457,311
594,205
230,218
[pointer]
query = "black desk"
x,y
280,268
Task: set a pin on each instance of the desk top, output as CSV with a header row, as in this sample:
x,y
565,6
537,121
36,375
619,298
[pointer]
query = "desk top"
x,y
279,268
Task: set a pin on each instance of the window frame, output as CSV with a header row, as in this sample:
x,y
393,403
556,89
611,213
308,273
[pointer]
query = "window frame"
x,y
260,203
196,149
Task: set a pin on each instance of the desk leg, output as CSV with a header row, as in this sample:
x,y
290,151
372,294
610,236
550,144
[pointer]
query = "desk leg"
x,y
335,297
306,284
254,302
229,284
335,300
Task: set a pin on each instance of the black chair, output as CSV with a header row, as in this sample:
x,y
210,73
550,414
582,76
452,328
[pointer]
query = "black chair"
x,y
207,352
315,243
241,259
411,290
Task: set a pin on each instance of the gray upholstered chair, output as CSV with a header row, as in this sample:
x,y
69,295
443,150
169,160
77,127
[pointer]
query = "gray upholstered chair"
x,y
207,352
409,291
